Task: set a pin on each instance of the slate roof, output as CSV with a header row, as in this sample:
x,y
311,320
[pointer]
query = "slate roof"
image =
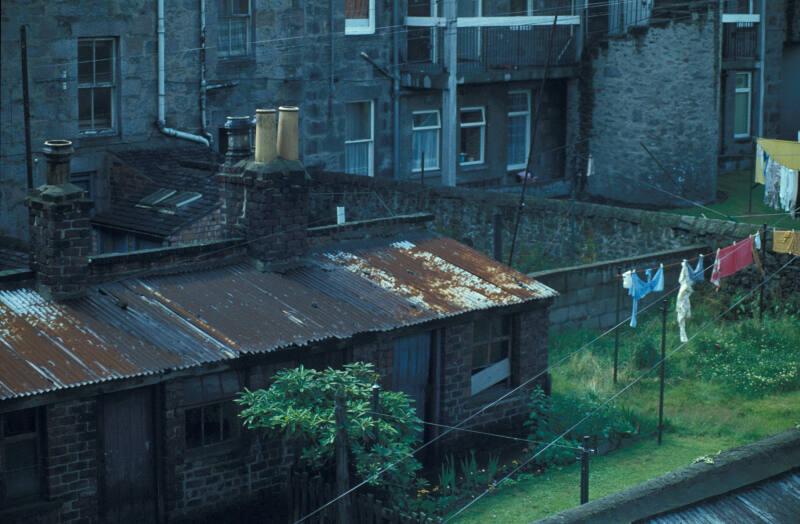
x,y
183,169
775,501
147,325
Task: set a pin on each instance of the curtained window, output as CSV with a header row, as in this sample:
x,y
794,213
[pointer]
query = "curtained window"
x,y
426,128
359,139
742,104
473,136
234,28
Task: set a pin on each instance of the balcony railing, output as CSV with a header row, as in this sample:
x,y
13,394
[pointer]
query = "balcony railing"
x,y
740,32
490,44
740,41
625,14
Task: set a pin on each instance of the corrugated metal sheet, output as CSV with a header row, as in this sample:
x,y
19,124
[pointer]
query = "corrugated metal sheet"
x,y
774,501
144,326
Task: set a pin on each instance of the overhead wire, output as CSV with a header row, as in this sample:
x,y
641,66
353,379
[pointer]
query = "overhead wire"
x,y
620,392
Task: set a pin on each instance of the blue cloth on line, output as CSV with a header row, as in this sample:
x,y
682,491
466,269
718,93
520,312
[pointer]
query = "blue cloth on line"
x,y
641,288
696,274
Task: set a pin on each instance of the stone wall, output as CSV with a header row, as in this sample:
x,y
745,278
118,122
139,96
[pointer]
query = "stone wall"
x,y
551,232
588,293
658,87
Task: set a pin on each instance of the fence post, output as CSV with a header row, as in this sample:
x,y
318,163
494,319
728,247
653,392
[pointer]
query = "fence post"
x,y
661,369
616,329
376,409
342,462
585,470
763,274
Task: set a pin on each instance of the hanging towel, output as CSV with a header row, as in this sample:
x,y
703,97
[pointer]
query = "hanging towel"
x,y
732,259
760,161
788,189
772,187
641,288
683,306
786,241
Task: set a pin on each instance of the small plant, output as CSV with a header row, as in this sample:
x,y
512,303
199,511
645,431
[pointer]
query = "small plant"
x,y
447,476
469,470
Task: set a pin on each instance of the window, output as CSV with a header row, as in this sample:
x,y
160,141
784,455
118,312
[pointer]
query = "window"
x,y
21,457
212,415
234,28
84,181
96,84
426,127
359,17
518,142
473,136
742,103
491,347
359,139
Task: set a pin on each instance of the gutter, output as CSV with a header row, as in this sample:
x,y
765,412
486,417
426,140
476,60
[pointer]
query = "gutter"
x,y
762,59
162,96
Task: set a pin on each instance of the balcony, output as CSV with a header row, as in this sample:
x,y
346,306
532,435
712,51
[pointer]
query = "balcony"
x,y
491,49
740,31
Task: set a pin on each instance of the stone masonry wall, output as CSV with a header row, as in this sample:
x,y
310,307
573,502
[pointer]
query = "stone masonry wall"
x,y
658,87
555,229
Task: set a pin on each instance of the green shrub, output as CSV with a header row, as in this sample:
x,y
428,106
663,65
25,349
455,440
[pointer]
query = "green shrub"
x,y
752,357
645,352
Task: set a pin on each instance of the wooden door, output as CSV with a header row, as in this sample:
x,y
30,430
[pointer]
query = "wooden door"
x,y
129,493
412,357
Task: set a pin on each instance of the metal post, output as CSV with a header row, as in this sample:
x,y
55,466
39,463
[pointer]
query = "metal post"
x,y
422,169
376,409
662,369
450,95
764,274
498,237
585,470
616,329
26,103
342,462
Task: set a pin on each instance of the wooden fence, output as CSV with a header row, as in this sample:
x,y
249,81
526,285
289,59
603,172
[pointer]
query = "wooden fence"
x,y
306,494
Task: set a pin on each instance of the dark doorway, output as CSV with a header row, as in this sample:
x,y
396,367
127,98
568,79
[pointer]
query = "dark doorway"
x,y
412,357
129,492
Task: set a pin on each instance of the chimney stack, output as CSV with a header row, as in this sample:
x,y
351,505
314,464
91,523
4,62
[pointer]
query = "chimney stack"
x,y
238,128
266,150
60,231
288,133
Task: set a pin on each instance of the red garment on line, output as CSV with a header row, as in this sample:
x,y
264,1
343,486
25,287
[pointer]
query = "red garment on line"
x,y
732,259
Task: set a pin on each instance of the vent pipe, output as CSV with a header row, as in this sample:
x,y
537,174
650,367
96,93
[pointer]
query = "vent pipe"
x,y
288,133
266,136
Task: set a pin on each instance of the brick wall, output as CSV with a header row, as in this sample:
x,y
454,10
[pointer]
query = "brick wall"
x,y
529,356
205,229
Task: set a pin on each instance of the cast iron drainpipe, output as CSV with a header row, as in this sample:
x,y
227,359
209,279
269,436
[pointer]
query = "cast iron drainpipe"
x,y
162,126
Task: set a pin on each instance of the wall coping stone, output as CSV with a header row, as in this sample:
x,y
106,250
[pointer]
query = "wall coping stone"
x,y
730,470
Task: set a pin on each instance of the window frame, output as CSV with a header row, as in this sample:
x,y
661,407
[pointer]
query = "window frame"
x,y
743,90
38,435
437,128
469,125
515,114
92,86
227,18
220,402
499,370
370,140
357,26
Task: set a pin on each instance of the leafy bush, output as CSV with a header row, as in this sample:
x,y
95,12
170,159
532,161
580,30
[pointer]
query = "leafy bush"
x,y
645,352
553,416
300,404
752,357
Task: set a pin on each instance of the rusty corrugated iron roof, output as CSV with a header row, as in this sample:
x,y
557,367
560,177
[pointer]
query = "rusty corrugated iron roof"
x,y
148,325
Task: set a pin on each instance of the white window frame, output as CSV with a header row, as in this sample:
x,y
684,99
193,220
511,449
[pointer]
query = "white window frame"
x,y
370,140
95,85
437,128
527,115
749,91
481,125
226,18
361,26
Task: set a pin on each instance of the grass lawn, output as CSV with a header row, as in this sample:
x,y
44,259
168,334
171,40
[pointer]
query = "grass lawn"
x,y
702,415
736,186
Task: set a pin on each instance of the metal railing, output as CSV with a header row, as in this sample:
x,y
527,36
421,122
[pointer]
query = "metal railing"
x,y
624,14
740,40
494,48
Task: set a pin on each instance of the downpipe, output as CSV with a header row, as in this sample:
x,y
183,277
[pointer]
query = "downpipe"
x,y
162,95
